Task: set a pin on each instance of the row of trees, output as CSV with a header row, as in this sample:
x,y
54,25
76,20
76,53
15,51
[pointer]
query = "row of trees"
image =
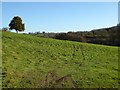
x,y
105,36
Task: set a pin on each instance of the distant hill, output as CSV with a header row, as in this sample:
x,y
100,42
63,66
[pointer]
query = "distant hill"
x,y
33,62
105,36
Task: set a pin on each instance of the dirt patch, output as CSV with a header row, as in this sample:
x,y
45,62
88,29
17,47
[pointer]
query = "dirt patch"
x,y
53,81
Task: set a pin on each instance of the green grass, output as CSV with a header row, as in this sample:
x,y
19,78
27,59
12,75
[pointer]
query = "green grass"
x,y
32,62
0,59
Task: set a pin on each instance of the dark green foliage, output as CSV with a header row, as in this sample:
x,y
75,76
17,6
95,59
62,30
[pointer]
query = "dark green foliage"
x,y
43,32
105,36
16,23
4,29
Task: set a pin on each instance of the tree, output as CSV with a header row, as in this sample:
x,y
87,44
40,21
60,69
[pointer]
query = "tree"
x,y
4,29
16,23
43,32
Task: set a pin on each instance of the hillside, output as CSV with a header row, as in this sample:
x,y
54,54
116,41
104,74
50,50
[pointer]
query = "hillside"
x,y
105,36
33,62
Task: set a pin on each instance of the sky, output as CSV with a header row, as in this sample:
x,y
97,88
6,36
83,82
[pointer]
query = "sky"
x,y
59,0
119,12
61,16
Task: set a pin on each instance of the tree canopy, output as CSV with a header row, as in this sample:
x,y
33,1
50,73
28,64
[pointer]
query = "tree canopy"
x,y
16,23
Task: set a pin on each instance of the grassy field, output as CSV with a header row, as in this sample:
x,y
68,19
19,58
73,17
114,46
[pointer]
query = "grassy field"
x,y
0,60
33,62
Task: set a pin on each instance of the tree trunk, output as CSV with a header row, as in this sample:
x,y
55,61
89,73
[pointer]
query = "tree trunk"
x,y
16,31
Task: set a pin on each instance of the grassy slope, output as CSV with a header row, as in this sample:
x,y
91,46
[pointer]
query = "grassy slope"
x,y
0,60
32,62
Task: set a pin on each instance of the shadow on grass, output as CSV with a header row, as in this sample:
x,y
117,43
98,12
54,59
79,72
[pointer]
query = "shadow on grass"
x,y
53,81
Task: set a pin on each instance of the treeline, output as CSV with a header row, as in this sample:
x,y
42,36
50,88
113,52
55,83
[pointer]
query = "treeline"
x,y
105,36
